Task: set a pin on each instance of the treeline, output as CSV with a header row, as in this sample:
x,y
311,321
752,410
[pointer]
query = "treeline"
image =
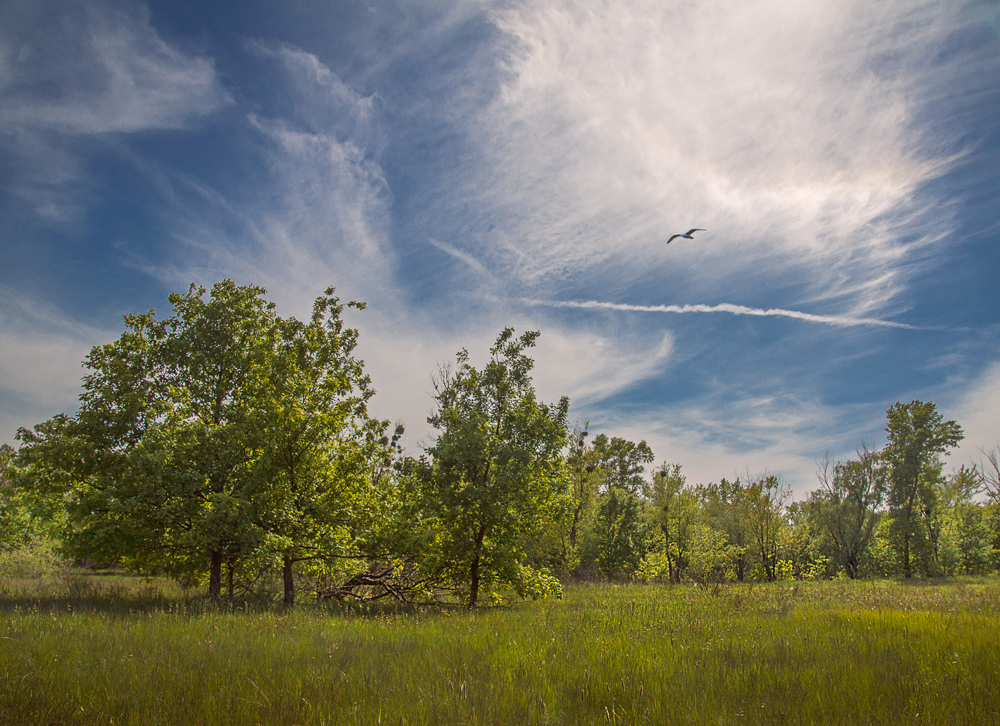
x,y
228,446
888,512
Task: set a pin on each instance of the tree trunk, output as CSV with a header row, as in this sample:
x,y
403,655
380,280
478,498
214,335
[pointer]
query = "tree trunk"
x,y
907,569
215,576
572,530
851,565
474,570
289,579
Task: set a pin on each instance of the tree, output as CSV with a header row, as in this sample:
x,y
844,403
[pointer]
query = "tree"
x,y
989,473
846,505
764,502
498,474
314,490
917,436
674,510
14,522
562,547
959,532
621,533
586,475
623,462
214,436
725,509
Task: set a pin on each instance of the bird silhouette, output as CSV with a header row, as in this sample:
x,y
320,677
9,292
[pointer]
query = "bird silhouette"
x,y
686,235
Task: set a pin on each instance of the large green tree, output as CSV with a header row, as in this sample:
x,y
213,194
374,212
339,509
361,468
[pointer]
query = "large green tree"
x,y
918,436
210,437
498,473
316,499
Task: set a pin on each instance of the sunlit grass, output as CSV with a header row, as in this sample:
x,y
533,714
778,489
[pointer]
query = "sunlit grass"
x,y
824,653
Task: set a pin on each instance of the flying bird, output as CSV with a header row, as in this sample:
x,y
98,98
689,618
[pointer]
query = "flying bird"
x,y
686,235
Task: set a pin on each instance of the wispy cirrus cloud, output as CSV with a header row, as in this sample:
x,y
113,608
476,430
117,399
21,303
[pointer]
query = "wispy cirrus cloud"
x,y
791,133
72,71
319,218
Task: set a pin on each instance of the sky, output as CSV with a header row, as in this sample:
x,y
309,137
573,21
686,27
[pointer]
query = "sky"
x,y
467,165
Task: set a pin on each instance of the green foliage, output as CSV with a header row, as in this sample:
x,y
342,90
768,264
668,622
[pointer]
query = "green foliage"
x,y
918,435
34,559
317,500
15,523
226,442
764,502
623,462
622,533
724,510
498,474
673,510
219,437
846,507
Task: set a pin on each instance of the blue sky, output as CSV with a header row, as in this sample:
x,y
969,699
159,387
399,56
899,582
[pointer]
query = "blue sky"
x,y
464,166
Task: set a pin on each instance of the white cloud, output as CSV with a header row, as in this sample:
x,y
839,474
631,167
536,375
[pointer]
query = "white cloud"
x,y
402,356
318,220
788,131
589,367
725,435
76,71
41,355
978,413
98,68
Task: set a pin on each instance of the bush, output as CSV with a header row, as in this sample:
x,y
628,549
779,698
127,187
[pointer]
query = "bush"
x,y
36,559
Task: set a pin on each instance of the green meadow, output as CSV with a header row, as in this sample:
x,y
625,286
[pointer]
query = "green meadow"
x,y
92,649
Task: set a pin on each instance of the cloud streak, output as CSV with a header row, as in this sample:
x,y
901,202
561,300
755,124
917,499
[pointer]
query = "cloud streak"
x,y
841,321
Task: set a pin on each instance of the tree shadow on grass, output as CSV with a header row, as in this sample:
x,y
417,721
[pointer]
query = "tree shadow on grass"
x,y
124,594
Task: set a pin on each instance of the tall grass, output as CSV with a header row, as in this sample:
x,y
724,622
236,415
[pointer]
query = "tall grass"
x,y
823,653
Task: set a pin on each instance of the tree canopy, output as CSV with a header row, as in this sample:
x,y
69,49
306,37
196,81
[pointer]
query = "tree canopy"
x,y
498,473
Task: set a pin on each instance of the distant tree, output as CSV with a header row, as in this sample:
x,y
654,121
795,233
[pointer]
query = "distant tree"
x,y
498,473
559,547
802,543
764,500
989,473
918,435
724,507
623,462
586,476
846,505
14,525
674,510
621,533
959,531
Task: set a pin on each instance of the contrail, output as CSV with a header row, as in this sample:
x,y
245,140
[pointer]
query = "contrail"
x,y
842,321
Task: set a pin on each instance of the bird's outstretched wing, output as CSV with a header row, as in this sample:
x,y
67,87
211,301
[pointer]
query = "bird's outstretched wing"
x,y
692,231
672,238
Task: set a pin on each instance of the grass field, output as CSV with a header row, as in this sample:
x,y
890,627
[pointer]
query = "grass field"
x,y
116,650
